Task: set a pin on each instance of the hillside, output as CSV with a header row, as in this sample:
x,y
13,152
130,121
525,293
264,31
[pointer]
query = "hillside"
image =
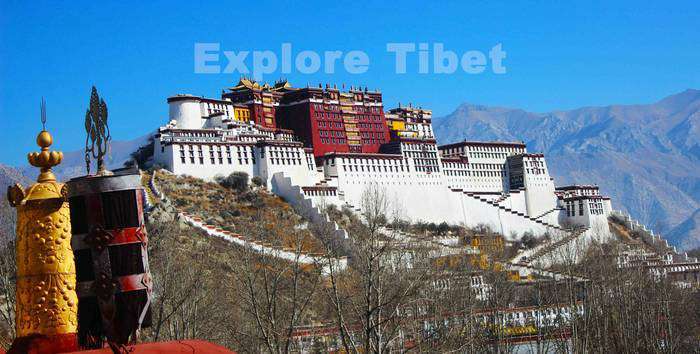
x,y
646,157
253,213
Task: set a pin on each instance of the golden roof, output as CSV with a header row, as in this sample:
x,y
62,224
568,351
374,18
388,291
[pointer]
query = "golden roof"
x,y
245,82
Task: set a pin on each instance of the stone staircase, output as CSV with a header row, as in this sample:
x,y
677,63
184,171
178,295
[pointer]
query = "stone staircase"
x,y
547,212
146,181
505,195
282,186
261,247
502,198
265,248
515,212
649,238
525,269
552,246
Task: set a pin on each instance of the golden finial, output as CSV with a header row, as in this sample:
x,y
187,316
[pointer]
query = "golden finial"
x,y
45,159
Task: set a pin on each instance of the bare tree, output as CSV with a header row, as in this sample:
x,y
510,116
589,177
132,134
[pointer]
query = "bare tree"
x,y
275,296
187,286
385,275
8,273
625,310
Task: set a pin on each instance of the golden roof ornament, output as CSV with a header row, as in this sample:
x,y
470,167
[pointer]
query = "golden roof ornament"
x,y
45,159
98,137
46,307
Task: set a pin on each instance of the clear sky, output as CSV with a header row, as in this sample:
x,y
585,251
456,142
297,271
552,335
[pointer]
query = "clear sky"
x,y
560,55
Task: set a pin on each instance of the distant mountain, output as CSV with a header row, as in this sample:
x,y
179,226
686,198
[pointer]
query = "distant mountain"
x,y
8,177
686,234
73,164
646,157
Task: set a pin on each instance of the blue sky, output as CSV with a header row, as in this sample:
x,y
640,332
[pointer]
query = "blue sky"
x,y
559,55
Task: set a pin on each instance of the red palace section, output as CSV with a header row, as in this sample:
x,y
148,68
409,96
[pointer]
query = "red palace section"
x,y
327,119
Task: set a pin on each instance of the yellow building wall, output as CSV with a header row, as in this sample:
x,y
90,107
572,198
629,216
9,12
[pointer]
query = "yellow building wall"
x,y
397,125
241,114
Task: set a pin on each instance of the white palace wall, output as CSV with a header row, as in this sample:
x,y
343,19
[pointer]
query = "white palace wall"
x,y
187,112
516,201
424,197
539,186
467,183
415,196
198,160
288,159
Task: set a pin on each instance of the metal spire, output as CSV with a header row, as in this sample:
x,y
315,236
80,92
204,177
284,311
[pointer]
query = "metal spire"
x,y
43,114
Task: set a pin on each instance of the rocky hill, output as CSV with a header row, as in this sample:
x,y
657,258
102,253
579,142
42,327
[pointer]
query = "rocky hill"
x,y
647,156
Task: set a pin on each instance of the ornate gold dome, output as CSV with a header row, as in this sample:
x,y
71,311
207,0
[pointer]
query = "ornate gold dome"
x,y
45,159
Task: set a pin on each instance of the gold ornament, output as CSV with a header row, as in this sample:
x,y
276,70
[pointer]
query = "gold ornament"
x,y
47,303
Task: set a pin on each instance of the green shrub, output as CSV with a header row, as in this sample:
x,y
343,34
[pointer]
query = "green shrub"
x,y
237,181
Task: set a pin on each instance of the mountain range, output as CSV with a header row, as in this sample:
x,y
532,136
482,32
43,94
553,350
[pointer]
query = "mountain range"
x,y
73,163
645,156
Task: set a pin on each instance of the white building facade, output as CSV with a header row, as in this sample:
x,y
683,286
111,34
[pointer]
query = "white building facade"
x,y
498,184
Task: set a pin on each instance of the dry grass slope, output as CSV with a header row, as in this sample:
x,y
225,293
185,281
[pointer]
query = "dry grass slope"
x,y
255,213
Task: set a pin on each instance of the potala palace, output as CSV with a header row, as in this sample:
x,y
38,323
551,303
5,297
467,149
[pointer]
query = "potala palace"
x,y
325,145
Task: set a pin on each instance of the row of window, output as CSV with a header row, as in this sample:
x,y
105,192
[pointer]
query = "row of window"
x,y
214,160
371,141
429,168
276,158
328,115
596,208
277,151
285,153
533,163
571,208
369,118
363,161
418,147
320,107
535,171
507,149
494,151
488,155
422,154
374,168
467,173
367,109
376,126
283,161
331,133
327,124
338,141
213,148
371,135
